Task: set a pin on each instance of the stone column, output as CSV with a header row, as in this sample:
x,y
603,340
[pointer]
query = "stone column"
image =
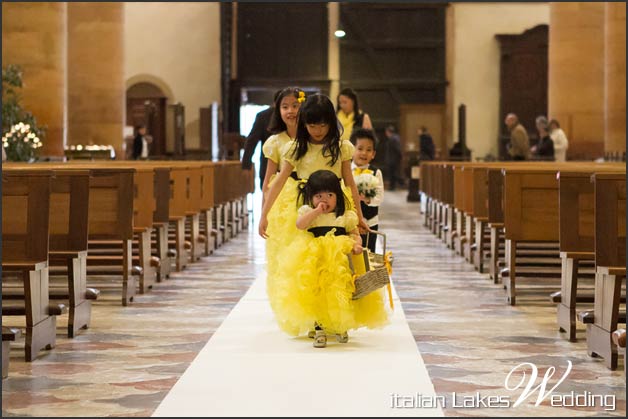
x,y
33,36
615,78
333,54
96,91
576,75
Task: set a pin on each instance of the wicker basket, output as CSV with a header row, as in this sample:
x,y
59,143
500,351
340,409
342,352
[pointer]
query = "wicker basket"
x,y
370,281
376,259
376,275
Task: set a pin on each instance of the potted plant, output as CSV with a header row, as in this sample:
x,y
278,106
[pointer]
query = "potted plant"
x,y
21,135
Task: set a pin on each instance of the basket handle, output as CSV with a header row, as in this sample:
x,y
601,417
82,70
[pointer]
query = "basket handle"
x,y
378,233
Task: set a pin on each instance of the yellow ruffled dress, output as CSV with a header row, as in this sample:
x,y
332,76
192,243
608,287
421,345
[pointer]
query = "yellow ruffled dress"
x,y
309,279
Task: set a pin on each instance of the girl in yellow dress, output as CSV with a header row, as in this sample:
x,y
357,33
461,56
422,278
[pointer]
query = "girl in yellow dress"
x,y
349,113
323,285
283,124
317,147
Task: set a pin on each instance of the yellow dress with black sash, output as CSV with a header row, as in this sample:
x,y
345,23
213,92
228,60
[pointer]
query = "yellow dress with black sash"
x,y
309,278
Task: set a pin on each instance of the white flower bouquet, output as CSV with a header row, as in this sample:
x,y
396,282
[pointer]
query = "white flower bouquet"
x,y
367,184
21,142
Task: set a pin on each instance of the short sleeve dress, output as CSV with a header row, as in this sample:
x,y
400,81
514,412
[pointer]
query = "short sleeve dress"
x,y
309,277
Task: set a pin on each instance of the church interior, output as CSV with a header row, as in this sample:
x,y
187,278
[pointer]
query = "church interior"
x,y
135,191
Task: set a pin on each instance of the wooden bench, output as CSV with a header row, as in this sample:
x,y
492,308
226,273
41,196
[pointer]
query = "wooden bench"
x,y
8,335
111,219
220,202
446,225
576,235
161,220
207,205
25,227
610,265
531,215
193,211
108,252
110,222
67,242
179,181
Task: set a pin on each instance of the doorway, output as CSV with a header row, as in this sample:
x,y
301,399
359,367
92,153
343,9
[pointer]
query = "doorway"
x,y
146,105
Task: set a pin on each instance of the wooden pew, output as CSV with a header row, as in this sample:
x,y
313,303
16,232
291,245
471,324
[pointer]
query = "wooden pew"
x,y
161,220
495,218
144,207
248,183
576,235
107,251
426,192
193,211
531,211
610,265
467,210
207,205
171,193
67,241
480,212
179,179
220,202
447,202
8,335
530,216
25,227
431,186
186,182
69,217
459,236
111,218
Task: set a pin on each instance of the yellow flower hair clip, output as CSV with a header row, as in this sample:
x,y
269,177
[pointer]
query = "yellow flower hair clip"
x,y
301,97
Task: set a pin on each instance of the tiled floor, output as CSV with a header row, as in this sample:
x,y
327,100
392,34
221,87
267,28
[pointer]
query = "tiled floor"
x,y
468,336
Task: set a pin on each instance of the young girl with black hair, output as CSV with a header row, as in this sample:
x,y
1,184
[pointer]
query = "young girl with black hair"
x,y
283,126
323,284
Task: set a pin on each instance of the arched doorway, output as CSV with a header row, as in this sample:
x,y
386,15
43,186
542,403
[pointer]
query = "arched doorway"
x,y
146,105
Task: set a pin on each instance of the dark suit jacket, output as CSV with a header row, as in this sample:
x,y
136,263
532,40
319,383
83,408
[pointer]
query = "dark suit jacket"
x,y
258,133
545,148
427,147
137,146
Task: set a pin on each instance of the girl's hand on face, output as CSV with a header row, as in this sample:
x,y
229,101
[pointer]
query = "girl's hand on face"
x,y
263,225
321,207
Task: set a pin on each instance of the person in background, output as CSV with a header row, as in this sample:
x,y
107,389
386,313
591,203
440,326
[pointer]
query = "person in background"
x,y
393,157
283,126
259,132
140,143
519,145
365,145
544,150
426,145
561,144
349,113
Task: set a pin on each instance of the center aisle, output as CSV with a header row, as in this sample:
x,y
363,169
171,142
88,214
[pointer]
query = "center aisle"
x,y
250,368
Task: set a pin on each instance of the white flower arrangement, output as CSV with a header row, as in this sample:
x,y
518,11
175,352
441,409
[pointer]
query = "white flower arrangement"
x,y
367,184
21,142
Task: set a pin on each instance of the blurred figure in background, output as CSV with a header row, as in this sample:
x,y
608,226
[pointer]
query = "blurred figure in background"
x,y
393,157
561,144
426,144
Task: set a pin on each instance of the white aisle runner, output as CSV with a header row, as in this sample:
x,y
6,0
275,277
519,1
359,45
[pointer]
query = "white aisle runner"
x,y
250,368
